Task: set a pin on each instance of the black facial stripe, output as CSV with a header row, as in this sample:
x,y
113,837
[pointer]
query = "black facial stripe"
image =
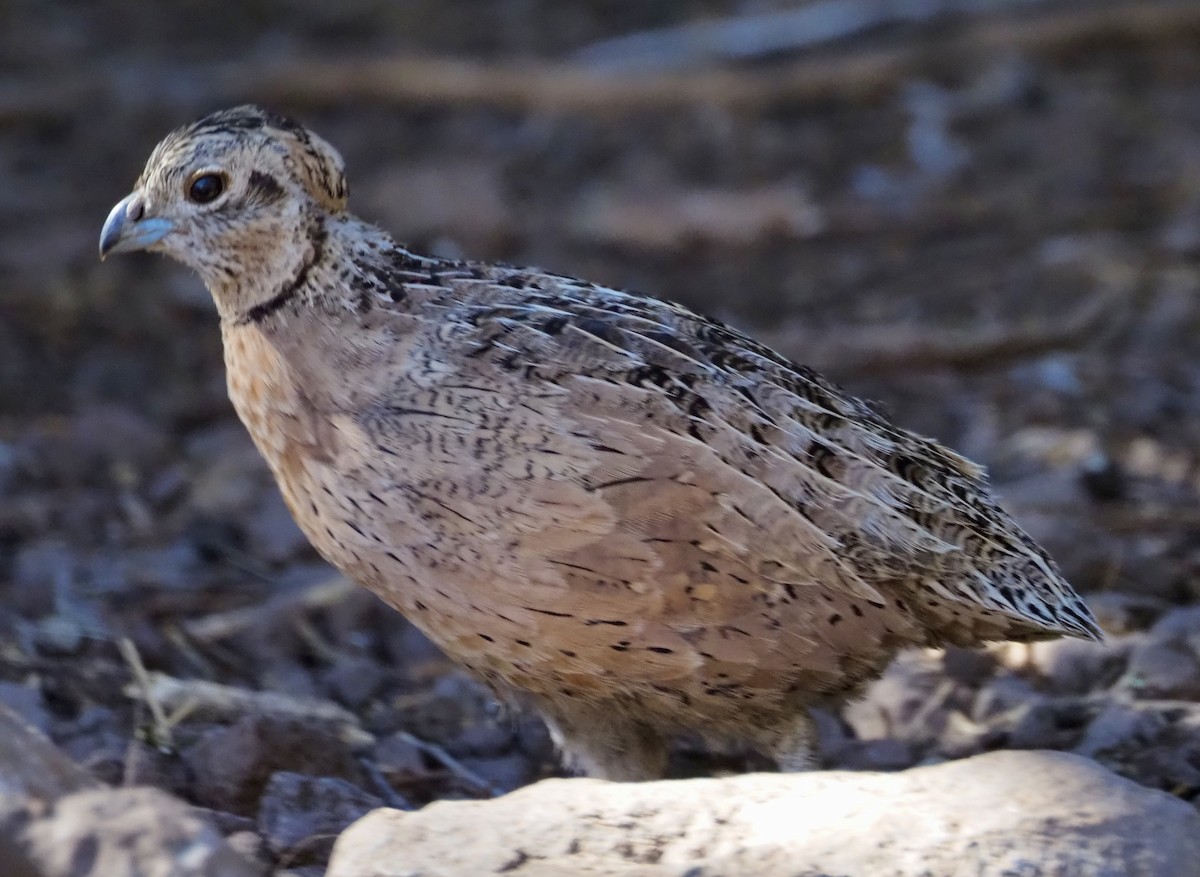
x,y
263,188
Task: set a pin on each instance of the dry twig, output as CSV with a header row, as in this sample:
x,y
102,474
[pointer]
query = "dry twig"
x,y
882,349
452,764
227,703
758,35
223,625
143,688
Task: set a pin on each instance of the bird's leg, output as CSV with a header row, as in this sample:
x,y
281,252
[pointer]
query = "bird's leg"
x,y
793,745
605,743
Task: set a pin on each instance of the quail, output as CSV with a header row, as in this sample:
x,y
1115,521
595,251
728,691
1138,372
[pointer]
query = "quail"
x,y
631,518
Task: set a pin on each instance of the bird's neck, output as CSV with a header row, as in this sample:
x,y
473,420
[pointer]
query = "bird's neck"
x,y
288,345
338,264
268,267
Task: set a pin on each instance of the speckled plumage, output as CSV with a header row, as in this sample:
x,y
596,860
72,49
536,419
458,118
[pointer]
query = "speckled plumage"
x,y
628,516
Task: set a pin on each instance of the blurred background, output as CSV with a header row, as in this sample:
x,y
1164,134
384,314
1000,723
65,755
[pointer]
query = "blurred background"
x,y
983,215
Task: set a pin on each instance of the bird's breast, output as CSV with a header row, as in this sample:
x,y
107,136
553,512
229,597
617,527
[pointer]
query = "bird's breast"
x,y
262,388
266,393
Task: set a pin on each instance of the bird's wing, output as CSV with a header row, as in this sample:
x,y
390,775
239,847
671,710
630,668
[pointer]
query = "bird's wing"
x,y
644,439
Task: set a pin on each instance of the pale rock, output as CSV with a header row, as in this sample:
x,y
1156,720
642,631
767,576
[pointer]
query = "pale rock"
x,y
138,832
1003,813
56,821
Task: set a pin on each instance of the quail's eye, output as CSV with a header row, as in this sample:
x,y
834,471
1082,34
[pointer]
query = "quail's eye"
x,y
206,187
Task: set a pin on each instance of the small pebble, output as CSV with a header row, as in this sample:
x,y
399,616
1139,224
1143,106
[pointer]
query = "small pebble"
x,y
1163,669
1076,666
252,848
58,635
232,764
1120,725
300,816
27,702
969,666
353,680
399,759
485,738
1048,724
885,754
962,737
1001,695
504,773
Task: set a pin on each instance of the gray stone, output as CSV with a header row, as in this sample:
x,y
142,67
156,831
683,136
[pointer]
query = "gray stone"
x,y
27,703
883,754
1119,612
399,758
1165,663
16,814
58,635
39,571
898,703
963,737
300,816
353,680
1119,725
1047,724
33,767
1001,695
251,847
1004,813
1163,669
501,772
485,739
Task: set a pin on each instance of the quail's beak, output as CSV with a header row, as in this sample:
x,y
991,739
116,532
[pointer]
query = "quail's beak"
x,y
128,228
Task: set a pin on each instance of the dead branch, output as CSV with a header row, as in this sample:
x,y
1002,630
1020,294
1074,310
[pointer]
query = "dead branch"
x,y
749,36
888,348
452,764
218,702
222,625
142,685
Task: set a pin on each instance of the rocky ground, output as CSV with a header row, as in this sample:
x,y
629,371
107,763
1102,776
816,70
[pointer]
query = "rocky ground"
x,y
988,223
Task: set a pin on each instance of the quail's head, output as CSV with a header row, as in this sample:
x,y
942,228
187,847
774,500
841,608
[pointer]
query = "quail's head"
x,y
235,196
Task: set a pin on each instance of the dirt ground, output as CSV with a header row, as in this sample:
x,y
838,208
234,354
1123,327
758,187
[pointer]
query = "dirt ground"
x,y
988,224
